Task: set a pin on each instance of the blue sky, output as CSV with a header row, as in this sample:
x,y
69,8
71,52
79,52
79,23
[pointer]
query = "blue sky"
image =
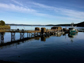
x,y
41,11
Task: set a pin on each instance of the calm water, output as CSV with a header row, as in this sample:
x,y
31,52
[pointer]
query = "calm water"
x,y
56,49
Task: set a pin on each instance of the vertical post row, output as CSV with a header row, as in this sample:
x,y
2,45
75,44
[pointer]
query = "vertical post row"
x,y
2,37
21,35
27,35
12,36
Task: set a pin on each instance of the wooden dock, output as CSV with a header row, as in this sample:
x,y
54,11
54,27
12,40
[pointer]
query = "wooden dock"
x,y
31,34
41,32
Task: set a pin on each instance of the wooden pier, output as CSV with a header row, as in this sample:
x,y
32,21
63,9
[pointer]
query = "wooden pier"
x,y
35,32
22,32
30,34
22,39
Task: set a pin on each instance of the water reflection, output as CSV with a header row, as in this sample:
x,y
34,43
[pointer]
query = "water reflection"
x,y
72,35
2,37
42,38
58,34
37,38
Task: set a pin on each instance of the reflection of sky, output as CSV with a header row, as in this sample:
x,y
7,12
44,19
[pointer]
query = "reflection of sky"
x,y
54,46
80,36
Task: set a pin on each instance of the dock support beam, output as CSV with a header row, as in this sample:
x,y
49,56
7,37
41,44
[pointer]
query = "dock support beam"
x,y
2,37
43,30
12,36
21,35
27,35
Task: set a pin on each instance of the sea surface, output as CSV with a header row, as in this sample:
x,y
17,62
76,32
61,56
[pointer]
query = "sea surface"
x,y
59,48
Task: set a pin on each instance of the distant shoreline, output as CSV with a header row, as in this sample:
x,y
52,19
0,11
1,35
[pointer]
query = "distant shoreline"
x,y
78,25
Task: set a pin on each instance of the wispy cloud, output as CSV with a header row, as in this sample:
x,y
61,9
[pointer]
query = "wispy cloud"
x,y
71,14
17,2
42,5
62,11
12,7
16,8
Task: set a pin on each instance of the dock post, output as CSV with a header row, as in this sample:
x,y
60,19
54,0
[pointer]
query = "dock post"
x,y
21,35
31,34
37,33
40,33
27,35
12,36
2,37
43,30
34,34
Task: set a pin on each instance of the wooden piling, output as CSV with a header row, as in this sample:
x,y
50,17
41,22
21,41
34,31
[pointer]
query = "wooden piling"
x,y
2,37
43,30
27,34
21,35
12,36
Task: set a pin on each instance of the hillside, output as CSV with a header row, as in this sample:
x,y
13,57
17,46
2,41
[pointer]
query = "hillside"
x,y
80,24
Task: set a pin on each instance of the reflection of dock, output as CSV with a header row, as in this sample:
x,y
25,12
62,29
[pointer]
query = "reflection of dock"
x,y
16,41
24,39
43,38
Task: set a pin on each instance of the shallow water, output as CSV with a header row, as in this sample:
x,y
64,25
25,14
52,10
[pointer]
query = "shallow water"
x,y
56,48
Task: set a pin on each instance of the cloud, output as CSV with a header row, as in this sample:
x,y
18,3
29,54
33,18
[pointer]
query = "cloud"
x,y
17,2
16,8
67,14
73,13
12,7
42,5
62,11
